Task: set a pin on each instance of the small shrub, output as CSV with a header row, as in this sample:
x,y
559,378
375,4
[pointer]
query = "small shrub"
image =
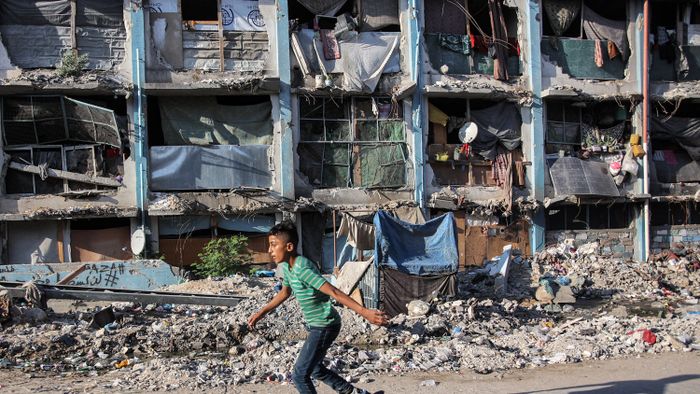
x,y
222,256
72,64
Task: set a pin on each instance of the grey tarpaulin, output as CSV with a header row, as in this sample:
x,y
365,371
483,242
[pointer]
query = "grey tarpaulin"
x,y
398,289
575,177
202,121
213,167
498,125
322,7
99,13
599,28
561,14
383,39
23,12
683,131
378,14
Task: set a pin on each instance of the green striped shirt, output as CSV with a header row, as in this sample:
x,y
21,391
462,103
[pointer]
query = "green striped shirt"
x,y
304,279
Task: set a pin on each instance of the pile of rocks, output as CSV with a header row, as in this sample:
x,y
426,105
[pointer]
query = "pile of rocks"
x,y
164,347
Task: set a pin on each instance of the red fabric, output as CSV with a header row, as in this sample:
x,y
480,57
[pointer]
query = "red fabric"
x,y
481,44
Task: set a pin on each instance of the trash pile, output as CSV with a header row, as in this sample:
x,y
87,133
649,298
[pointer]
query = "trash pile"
x,y
169,347
582,272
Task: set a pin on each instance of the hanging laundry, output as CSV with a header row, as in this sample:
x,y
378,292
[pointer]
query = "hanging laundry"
x,y
360,234
612,50
598,53
455,42
503,174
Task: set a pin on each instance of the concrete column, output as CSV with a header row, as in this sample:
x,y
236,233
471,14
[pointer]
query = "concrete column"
x,y
536,176
642,223
418,113
286,151
140,151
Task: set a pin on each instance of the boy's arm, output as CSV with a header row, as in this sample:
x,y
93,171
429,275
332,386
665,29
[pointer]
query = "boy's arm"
x,y
371,315
276,301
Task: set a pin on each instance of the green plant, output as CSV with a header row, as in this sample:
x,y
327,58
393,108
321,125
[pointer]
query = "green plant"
x,y
222,256
72,64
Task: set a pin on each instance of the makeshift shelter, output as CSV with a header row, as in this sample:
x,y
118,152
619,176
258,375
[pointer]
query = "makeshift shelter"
x,y
414,261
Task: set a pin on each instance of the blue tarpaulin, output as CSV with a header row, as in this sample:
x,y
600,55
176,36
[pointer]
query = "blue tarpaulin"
x,y
416,249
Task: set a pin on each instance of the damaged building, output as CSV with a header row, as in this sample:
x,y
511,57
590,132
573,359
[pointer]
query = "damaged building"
x,y
181,121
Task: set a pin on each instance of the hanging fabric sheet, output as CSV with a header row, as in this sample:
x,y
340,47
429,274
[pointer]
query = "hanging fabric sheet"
x,y
561,14
499,125
599,28
683,131
398,289
360,234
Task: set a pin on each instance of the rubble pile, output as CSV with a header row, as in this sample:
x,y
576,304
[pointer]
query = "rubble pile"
x,y
593,276
166,347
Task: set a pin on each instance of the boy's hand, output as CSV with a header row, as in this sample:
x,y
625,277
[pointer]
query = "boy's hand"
x,y
376,317
253,319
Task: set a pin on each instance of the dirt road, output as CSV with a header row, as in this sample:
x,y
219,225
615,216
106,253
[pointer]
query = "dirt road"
x,y
665,373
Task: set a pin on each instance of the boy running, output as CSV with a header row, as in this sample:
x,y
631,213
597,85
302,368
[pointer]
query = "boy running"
x,y
302,278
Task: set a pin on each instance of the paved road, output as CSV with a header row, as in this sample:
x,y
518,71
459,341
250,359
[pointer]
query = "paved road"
x,y
670,373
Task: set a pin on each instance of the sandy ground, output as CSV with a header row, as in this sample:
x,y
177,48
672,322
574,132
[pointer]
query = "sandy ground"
x,y
663,373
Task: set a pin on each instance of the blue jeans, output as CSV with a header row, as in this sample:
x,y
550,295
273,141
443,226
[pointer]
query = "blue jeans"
x,y
310,362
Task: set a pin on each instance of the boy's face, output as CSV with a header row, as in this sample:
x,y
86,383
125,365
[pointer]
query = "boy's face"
x,y
280,249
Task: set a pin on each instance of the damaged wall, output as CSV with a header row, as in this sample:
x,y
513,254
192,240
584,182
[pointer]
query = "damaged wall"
x,y
100,33
663,237
618,243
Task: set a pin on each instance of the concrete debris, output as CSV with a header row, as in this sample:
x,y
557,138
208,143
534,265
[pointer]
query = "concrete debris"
x,y
41,78
618,312
172,202
85,210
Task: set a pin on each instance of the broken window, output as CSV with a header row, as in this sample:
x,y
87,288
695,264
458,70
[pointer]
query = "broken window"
x,y
602,127
587,38
359,15
203,37
352,142
589,217
497,134
675,41
210,142
675,142
457,44
96,29
675,213
58,144
182,238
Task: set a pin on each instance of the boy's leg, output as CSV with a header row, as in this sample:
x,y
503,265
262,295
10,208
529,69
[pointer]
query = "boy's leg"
x,y
324,374
306,361
310,362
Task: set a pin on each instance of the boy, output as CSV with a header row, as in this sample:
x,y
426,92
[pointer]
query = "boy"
x,y
301,277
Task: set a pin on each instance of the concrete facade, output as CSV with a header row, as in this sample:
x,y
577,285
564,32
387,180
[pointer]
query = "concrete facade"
x,y
160,54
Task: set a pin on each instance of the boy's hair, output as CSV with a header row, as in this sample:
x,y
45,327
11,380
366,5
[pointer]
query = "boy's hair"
x,y
286,229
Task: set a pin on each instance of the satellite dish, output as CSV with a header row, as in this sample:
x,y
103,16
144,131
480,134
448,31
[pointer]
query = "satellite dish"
x,y
138,241
468,132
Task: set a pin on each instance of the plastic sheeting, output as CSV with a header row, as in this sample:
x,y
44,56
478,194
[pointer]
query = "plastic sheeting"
x,y
416,249
23,12
177,225
57,13
599,28
561,14
375,44
202,121
32,242
216,167
683,131
322,7
398,289
498,125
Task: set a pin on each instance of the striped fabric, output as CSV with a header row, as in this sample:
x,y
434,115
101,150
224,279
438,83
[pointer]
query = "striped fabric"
x,y
304,279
